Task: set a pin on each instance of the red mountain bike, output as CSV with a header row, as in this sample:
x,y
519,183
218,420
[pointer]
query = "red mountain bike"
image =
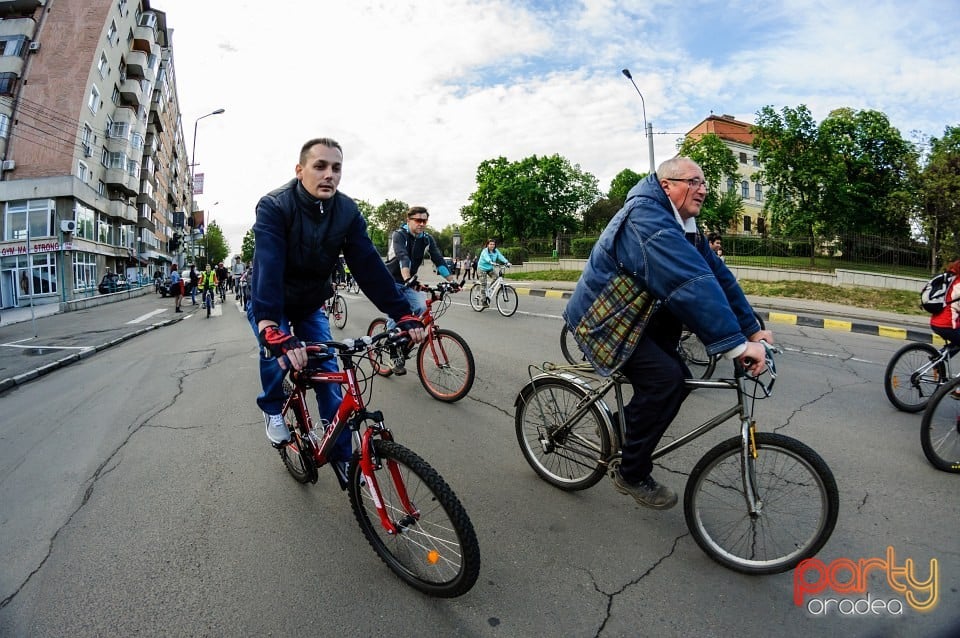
x,y
444,361
407,512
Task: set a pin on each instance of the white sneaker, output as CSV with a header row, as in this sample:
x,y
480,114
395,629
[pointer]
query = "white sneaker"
x,y
277,430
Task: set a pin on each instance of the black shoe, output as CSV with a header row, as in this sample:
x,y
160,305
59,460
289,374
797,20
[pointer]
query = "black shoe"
x,y
178,310
399,367
647,492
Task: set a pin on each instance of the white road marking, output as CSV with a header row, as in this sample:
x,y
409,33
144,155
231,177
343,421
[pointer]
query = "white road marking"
x,y
147,316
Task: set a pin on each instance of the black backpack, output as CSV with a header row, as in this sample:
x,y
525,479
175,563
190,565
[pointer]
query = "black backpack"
x,y
934,293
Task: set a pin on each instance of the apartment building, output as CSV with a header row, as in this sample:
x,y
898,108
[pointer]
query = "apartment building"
x,y
737,137
93,163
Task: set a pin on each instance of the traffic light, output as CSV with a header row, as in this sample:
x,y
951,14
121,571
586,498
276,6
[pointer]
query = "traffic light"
x,y
174,243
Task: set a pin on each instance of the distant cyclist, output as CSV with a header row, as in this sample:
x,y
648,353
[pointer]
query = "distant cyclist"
x,y
489,257
208,282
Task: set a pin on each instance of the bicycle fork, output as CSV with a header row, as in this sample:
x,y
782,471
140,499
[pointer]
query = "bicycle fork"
x,y
748,457
369,463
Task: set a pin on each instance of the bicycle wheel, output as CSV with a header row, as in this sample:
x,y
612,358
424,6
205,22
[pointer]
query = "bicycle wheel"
x,y
435,549
694,354
907,389
571,458
339,311
208,302
476,298
446,366
795,489
568,346
379,357
507,300
298,460
940,428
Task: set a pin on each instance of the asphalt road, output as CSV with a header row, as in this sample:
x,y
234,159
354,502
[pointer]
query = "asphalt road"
x,y
138,496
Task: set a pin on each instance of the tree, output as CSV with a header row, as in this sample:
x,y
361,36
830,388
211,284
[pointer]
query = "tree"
x,y
246,250
535,197
792,158
720,209
940,189
868,174
214,244
621,185
596,218
389,216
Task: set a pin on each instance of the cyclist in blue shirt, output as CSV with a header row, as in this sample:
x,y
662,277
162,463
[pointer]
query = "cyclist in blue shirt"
x,y
488,259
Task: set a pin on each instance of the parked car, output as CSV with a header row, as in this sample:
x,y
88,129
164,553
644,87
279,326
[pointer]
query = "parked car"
x,y
165,288
112,282
450,265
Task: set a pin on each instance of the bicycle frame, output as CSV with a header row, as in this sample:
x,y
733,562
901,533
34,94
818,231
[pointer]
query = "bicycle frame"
x,y
351,413
743,408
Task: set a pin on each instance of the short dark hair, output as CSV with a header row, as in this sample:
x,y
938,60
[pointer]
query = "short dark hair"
x,y
415,210
326,141
712,237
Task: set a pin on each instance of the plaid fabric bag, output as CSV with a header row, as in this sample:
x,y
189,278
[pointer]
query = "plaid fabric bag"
x,y
614,322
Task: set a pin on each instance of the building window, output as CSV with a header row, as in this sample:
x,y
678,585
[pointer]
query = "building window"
x,y
13,45
119,130
86,140
101,188
744,189
112,32
93,103
758,191
746,223
730,185
40,213
761,225
43,275
83,173
102,66
133,168
756,161
115,96
116,160
84,271
4,126
7,83
743,158
104,229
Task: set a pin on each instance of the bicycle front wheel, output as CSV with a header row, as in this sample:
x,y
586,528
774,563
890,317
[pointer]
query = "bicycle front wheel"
x,y
446,366
940,428
568,346
435,549
507,300
571,456
339,311
907,386
208,302
796,494
476,297
379,359
694,354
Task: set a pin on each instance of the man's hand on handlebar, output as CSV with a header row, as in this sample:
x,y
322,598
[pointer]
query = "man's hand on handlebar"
x,y
289,351
413,326
754,358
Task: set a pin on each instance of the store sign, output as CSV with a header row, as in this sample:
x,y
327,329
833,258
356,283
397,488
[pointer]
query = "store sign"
x,y
35,247
198,184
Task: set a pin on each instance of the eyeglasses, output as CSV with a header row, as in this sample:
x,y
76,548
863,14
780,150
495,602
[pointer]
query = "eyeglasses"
x,y
692,182
419,220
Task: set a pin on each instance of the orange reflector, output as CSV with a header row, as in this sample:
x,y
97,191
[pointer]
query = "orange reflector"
x,y
433,556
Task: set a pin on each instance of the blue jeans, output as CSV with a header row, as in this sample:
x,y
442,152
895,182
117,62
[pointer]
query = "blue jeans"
x,y
193,293
314,327
417,301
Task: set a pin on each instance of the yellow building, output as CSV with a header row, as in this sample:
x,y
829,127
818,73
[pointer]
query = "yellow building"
x,y
738,138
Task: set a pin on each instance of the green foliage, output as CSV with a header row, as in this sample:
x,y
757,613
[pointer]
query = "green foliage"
x,y
940,183
581,246
214,244
721,208
515,254
388,216
247,248
596,218
621,185
535,197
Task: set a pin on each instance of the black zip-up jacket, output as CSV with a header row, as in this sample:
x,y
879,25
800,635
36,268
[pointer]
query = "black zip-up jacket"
x,y
298,241
407,249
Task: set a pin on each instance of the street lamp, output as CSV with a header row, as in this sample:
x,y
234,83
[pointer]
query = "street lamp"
x,y
648,128
193,168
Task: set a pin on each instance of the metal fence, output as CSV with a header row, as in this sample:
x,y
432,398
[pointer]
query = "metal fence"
x,y
858,252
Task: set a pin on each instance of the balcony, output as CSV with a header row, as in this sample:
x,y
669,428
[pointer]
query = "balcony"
x,y
156,121
119,178
117,144
122,210
136,63
150,145
16,26
131,92
145,220
12,64
146,200
144,38
126,114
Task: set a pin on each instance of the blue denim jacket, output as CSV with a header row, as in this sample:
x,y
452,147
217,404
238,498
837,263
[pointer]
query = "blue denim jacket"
x,y
689,279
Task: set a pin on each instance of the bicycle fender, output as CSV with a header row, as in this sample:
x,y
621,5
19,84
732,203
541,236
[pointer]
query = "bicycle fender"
x,y
605,412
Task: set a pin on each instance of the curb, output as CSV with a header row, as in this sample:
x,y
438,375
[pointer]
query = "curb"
x,y
9,383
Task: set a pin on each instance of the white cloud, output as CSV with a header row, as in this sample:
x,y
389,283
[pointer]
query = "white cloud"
x,y
420,92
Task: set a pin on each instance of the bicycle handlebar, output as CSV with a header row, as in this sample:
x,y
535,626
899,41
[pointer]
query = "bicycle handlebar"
x,y
359,344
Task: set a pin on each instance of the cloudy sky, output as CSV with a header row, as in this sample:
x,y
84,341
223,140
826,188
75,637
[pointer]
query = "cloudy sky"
x,y
419,92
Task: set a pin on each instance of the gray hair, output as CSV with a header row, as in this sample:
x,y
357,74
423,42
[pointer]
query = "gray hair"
x,y
674,166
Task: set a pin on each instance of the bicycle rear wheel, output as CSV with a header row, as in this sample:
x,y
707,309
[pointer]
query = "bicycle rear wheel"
x,y
446,366
476,297
507,300
906,388
435,550
694,354
940,428
379,358
339,311
570,457
568,346
798,502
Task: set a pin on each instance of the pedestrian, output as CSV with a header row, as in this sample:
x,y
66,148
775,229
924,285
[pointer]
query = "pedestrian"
x,y
300,230
473,267
194,281
654,242
176,288
716,244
